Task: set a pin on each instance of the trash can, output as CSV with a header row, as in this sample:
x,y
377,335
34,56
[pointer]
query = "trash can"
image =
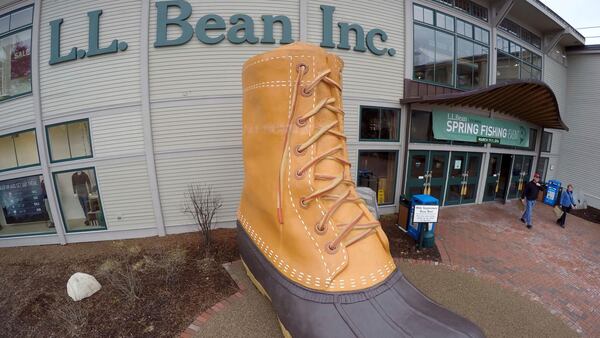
x,y
551,195
403,212
422,219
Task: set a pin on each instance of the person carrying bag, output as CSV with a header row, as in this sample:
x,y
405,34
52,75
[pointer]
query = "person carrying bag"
x,y
567,202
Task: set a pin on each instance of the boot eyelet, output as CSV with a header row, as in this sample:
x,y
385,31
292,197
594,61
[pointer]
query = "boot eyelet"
x,y
300,65
303,202
320,231
306,93
300,122
299,175
298,152
331,250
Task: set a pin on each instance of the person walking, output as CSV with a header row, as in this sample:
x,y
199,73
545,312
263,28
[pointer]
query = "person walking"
x,y
567,202
528,197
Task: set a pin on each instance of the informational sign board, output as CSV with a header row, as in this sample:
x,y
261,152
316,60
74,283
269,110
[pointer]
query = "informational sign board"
x,y
22,201
463,127
426,214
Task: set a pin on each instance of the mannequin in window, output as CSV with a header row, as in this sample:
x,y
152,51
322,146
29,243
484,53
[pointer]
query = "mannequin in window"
x,y
81,189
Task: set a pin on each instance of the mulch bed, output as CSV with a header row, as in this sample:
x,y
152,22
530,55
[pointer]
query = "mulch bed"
x,y
34,301
590,214
404,246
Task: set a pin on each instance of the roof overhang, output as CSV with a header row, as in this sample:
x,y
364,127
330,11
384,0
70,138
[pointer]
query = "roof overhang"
x,y
528,100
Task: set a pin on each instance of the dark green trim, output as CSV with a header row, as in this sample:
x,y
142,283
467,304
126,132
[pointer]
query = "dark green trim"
x,y
360,116
9,32
62,214
67,124
15,149
395,173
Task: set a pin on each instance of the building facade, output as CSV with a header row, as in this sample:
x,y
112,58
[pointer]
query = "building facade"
x,y
111,110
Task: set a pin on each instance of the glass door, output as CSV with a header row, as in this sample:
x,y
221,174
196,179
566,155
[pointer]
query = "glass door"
x,y
471,178
463,178
418,173
516,178
492,182
426,173
458,165
437,174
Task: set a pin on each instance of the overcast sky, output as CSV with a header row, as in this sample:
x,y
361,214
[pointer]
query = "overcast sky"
x,y
579,13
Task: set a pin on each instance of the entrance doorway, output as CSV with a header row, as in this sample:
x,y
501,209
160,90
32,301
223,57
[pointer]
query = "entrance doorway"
x,y
426,173
463,178
497,177
519,175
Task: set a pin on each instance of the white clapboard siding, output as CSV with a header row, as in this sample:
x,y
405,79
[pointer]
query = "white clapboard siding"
x,y
366,75
580,147
16,112
99,81
221,168
193,125
117,134
198,70
555,75
126,197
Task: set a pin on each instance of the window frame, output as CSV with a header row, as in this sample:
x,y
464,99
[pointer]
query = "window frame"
x,y
10,32
395,172
548,144
89,129
455,37
546,167
521,60
60,207
379,108
36,148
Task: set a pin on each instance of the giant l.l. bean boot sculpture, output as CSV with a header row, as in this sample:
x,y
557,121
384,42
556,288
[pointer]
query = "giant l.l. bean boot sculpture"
x,y
307,240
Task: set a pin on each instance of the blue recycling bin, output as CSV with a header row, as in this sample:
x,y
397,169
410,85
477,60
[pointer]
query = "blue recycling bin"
x,y
551,195
422,219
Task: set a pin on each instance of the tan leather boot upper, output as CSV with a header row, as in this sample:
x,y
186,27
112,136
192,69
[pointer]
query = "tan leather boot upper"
x,y
299,205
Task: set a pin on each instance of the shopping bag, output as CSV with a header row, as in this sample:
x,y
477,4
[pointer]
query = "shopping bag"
x,y
558,211
521,204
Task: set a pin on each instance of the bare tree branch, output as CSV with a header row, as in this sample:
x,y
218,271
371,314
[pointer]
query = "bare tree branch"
x,y
202,204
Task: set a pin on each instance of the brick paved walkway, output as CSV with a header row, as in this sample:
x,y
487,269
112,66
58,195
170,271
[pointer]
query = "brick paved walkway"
x,y
560,268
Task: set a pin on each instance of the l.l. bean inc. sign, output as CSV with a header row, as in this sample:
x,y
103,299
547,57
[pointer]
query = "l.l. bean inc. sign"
x,y
212,29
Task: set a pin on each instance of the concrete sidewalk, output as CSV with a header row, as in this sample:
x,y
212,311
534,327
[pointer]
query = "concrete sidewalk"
x,y
498,311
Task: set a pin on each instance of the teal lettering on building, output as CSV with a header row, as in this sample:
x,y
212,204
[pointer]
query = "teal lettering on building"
x,y
473,128
212,29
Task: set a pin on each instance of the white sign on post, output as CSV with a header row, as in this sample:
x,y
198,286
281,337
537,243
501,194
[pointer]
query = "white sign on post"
x,y
426,214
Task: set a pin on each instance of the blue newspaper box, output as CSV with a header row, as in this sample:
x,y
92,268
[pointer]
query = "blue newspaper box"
x,y
551,195
422,219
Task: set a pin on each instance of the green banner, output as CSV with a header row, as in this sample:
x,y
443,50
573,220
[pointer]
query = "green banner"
x,y
473,128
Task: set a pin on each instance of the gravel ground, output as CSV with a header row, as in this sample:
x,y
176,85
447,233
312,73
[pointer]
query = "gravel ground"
x,y
498,311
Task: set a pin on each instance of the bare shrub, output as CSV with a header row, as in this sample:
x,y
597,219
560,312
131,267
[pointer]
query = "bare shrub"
x,y
72,316
170,264
202,203
122,271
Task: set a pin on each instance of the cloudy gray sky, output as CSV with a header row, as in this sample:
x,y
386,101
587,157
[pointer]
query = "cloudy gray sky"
x,y
579,13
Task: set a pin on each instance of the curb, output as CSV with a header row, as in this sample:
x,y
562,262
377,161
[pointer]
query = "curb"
x,y
203,317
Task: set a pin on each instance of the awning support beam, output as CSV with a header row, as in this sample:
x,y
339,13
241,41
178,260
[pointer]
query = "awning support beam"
x,y
551,40
500,11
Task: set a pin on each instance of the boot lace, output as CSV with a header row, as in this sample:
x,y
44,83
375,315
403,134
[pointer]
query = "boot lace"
x,y
331,154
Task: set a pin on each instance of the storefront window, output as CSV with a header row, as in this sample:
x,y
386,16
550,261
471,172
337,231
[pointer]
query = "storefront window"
x,y
516,62
18,150
379,124
79,199
15,53
377,170
25,208
449,51
546,142
69,141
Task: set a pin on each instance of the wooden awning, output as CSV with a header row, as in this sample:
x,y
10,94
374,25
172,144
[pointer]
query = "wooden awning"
x,y
529,100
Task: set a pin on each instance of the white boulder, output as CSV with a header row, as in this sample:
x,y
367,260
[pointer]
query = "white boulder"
x,y
81,285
